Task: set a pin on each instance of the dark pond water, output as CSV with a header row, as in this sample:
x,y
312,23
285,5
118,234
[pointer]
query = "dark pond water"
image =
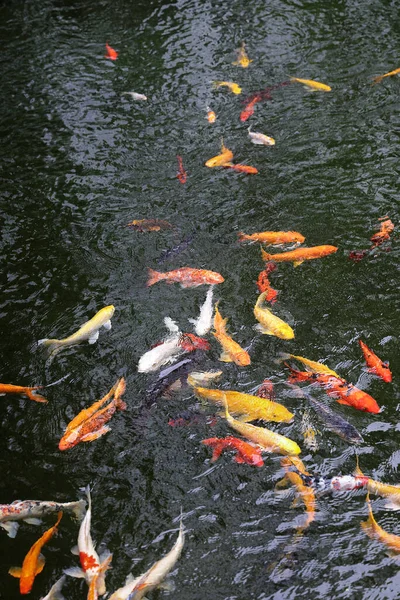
x,y
79,160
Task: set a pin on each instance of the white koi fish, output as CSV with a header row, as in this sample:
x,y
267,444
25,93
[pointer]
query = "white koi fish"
x,y
90,560
164,352
55,592
261,139
30,511
88,331
136,588
135,95
204,323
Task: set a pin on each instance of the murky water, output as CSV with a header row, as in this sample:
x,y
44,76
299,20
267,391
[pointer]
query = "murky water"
x,y
79,160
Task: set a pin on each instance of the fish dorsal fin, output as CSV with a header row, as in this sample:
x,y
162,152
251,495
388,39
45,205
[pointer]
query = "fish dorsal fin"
x,y
75,572
33,521
15,571
357,470
94,337
40,564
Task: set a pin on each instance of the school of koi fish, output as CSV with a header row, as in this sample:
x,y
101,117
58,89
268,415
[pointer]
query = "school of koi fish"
x,y
237,409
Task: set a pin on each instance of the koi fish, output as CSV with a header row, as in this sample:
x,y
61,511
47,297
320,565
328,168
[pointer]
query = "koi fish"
x,y
314,86
270,324
88,331
203,324
211,116
304,494
189,343
309,432
137,587
30,511
264,285
164,352
55,591
375,364
232,351
241,168
135,95
175,250
252,408
192,417
380,77
275,238
248,110
266,390
383,234
246,453
29,392
167,379
312,365
234,88
204,378
221,159
90,423
375,532
89,559
34,561
110,52
182,175
380,489
242,58
358,255
143,225
266,439
93,593
261,139
300,255
186,276
265,94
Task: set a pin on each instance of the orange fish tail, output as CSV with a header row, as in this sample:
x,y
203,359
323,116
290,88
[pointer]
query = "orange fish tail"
x,y
120,404
154,277
31,394
242,236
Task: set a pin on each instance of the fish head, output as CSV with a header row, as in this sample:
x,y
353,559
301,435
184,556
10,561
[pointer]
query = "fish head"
x,y
109,311
385,372
69,440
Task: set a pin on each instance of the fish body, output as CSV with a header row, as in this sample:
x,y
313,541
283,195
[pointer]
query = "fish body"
x,y
186,276
143,225
242,58
334,422
380,77
383,235
90,423
304,494
266,439
241,168
135,95
136,588
88,331
211,116
203,324
299,255
264,284
248,110
375,364
374,531
110,52
181,175
252,408
55,591
313,365
204,378
93,593
260,139
29,392
315,86
272,237
33,561
246,453
234,88
32,510
270,324
232,351
221,159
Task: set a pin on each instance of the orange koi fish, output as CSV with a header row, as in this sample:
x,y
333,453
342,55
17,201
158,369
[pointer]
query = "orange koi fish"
x,y
211,116
235,89
246,453
89,424
186,276
221,159
374,531
34,561
383,234
314,86
380,77
110,53
242,58
300,255
232,352
248,110
143,225
264,285
181,175
241,168
375,364
272,237
29,392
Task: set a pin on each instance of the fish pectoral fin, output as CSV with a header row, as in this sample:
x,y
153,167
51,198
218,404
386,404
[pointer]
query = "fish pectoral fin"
x,y
33,521
94,337
11,527
264,330
40,564
15,571
107,325
75,572
94,435
297,263
225,357
75,550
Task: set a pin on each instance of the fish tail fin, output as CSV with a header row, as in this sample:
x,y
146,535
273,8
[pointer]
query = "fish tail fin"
x,y
53,343
370,524
377,79
242,236
31,394
216,445
357,471
120,388
283,356
154,276
89,497
79,510
265,256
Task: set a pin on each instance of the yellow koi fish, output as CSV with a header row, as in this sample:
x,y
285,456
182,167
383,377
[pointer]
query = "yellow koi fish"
x,y
232,352
304,494
221,159
251,407
380,77
235,89
380,489
314,86
374,531
268,440
313,365
270,324
242,58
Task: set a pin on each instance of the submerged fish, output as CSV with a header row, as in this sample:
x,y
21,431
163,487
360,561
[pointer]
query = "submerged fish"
x,y
168,378
380,77
246,453
266,390
29,392
300,255
232,351
110,52
383,235
235,89
264,284
203,323
261,139
34,561
242,58
309,432
203,378
181,175
211,116
135,95
270,324
375,364
241,168
88,331
143,225
374,531
192,417
221,159
186,276
248,110
272,237
304,493
178,249
314,86
55,591
31,512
